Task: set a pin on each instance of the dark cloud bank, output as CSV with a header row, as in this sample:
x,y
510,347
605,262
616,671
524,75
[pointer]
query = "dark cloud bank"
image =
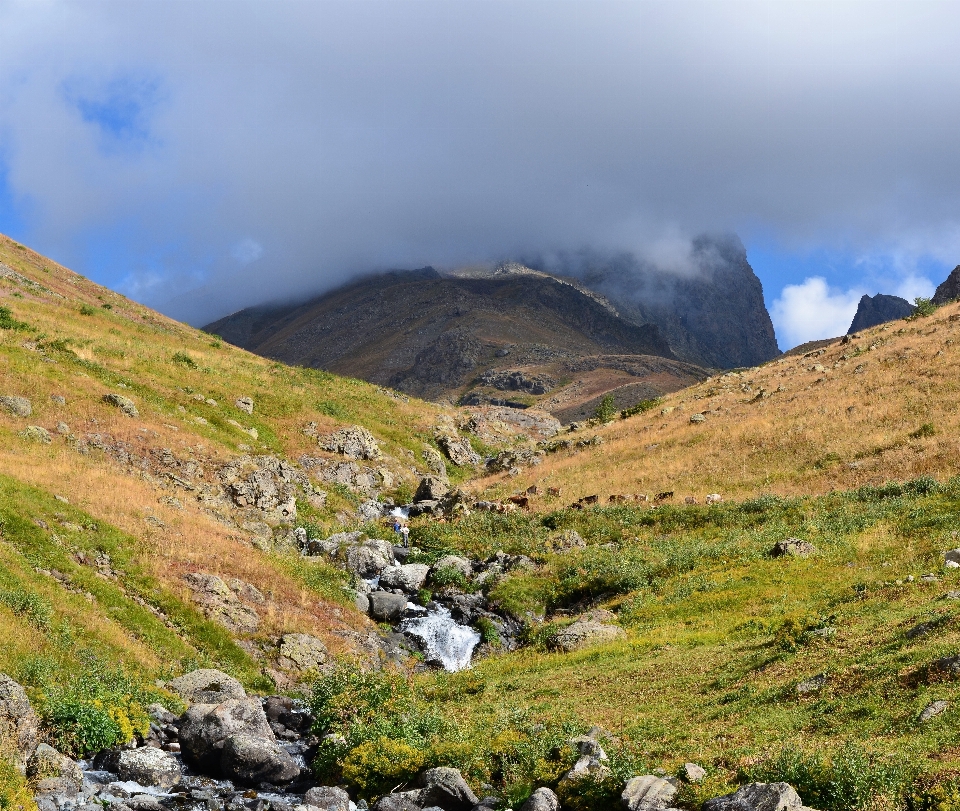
x,y
229,153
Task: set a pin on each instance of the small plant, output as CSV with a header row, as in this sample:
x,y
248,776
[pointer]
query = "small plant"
x,y
923,307
606,410
107,306
86,309
32,607
7,321
448,576
640,408
925,430
939,792
184,360
488,631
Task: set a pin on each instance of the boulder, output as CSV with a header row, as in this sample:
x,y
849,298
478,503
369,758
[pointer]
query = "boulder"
x,y
410,577
758,797
125,404
543,799
221,604
254,759
354,442
434,462
792,547
932,710
458,449
19,725
53,773
462,565
647,793
245,404
952,556
692,772
204,729
387,606
149,767
812,685
370,558
446,788
37,433
401,801
207,686
431,488
18,406
302,652
586,632
328,798
370,510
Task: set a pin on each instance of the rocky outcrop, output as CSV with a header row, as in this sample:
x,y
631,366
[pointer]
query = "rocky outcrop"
x,y
879,309
265,484
302,652
758,797
222,604
53,773
593,628
205,728
18,406
149,766
19,725
207,686
354,442
949,289
125,404
255,759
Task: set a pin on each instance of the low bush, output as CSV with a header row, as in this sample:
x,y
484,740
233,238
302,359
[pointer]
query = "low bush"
x,y
30,606
15,794
936,792
7,321
184,360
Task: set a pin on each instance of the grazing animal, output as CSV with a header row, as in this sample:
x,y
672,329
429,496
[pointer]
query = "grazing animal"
x,y
521,501
690,500
641,497
533,490
617,499
663,496
714,498
590,499
553,491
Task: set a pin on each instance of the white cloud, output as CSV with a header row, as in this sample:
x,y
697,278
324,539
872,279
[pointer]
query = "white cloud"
x,y
247,251
812,310
915,286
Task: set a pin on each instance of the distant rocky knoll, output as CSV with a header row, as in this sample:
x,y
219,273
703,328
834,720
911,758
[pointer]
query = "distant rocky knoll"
x,y
949,289
876,310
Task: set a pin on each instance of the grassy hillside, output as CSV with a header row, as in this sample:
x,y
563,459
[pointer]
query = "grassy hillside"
x,y
882,406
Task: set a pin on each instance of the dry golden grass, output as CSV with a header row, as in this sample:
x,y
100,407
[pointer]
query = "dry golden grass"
x,y
853,423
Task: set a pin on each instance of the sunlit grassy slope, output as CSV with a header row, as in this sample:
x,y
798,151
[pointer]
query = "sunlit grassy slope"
x,y
882,406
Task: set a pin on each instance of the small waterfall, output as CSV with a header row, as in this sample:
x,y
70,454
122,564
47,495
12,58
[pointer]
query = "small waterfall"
x,y
400,512
444,640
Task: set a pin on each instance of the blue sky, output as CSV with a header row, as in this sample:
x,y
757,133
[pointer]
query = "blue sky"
x,y
204,156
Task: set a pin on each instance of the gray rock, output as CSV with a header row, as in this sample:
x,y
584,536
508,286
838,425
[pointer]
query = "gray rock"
x,y
362,603
59,399
410,577
143,802
149,767
647,793
431,488
543,799
370,510
590,629
758,797
933,709
386,606
253,759
446,787
370,558
458,449
46,763
204,728
125,404
207,686
462,565
434,462
221,603
946,666
792,547
302,651
19,724
160,714
328,798
401,801
692,772
812,685
695,418
354,442
18,406
245,404
37,433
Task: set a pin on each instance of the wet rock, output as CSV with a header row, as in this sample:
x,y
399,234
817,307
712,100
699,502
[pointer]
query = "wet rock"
x,y
792,547
647,793
758,797
328,798
354,442
18,406
245,404
207,686
302,652
386,606
221,604
204,729
431,488
125,404
543,799
19,725
52,772
410,577
149,767
446,788
254,759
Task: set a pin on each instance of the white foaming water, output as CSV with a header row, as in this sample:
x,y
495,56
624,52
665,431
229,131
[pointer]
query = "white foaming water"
x,y
400,512
444,640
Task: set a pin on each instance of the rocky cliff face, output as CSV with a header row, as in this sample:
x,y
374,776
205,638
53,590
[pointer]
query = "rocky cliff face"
x,y
878,310
949,290
712,312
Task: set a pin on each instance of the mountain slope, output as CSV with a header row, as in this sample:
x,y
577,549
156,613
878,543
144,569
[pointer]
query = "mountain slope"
x,y
879,309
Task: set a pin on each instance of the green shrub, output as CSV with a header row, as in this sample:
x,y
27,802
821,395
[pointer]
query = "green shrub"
x,y
925,430
32,607
488,631
375,767
640,408
940,792
448,576
184,360
851,779
86,309
7,321
923,307
606,410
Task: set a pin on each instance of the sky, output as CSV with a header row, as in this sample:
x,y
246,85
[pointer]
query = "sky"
x,y
205,156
